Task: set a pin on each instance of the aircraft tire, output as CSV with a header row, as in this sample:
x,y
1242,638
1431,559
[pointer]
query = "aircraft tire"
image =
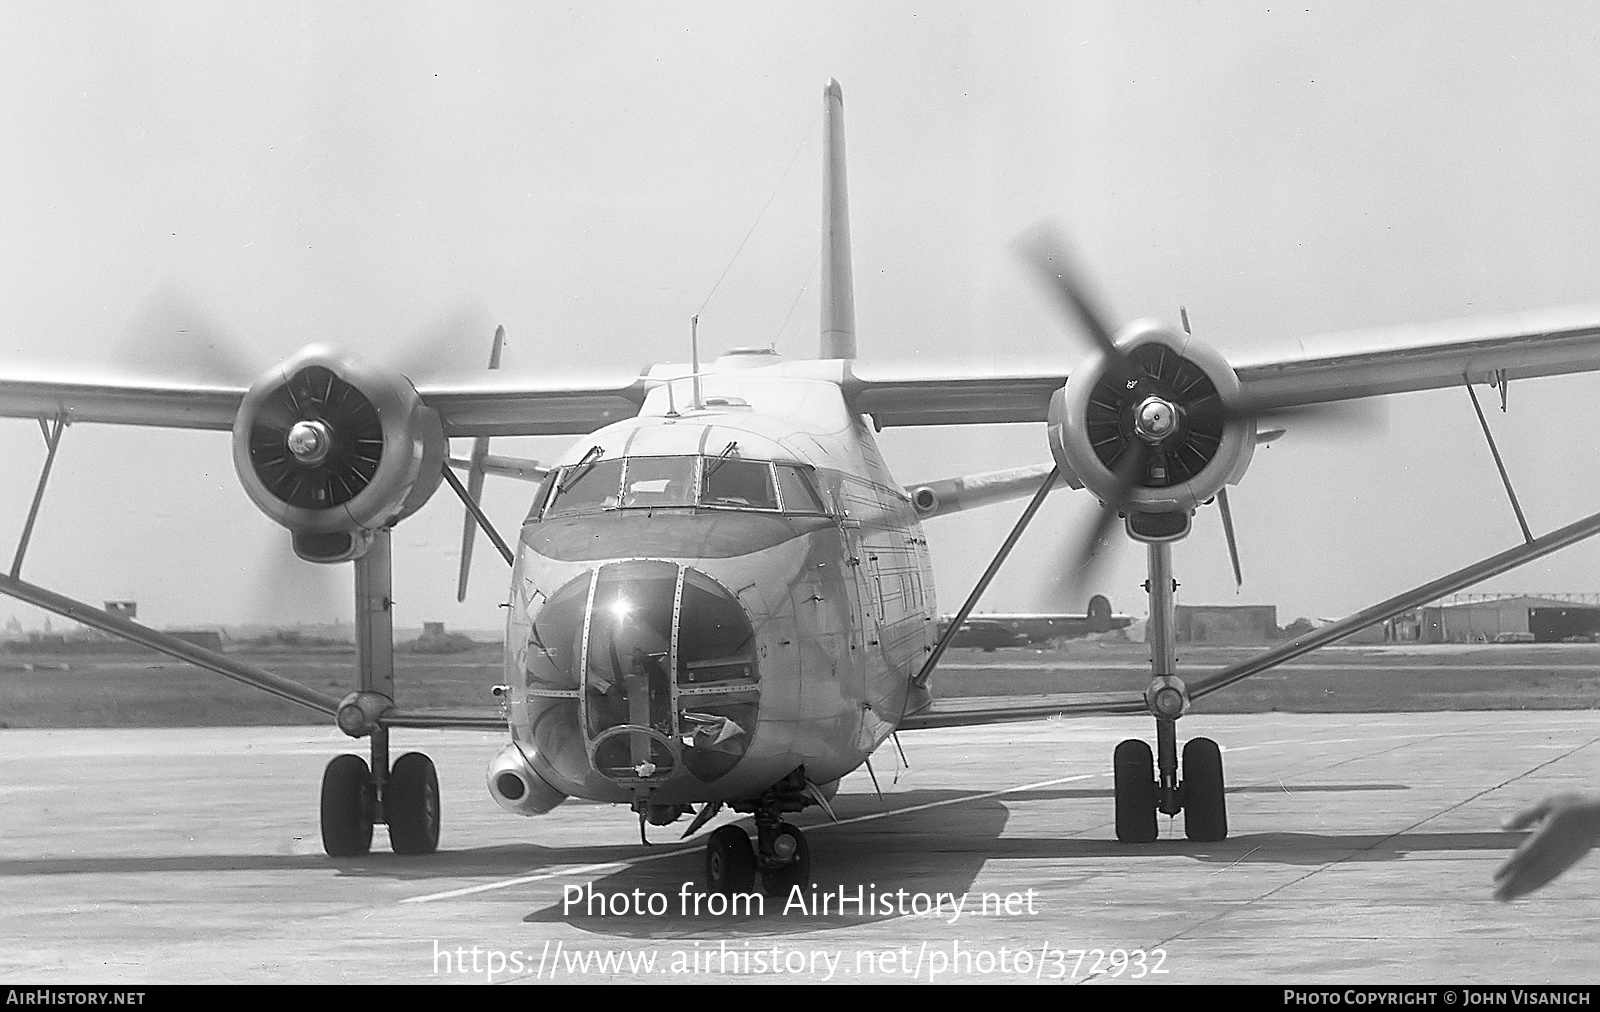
x,y
780,881
730,862
346,807
1205,805
411,804
1134,781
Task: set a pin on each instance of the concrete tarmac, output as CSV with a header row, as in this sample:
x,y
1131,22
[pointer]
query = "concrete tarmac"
x,y
1362,851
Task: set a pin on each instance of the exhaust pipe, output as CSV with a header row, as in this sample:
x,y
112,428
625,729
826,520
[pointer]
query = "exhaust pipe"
x,y
517,787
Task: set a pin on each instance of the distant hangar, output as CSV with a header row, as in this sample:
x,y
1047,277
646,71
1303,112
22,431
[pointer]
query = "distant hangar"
x,y
1487,618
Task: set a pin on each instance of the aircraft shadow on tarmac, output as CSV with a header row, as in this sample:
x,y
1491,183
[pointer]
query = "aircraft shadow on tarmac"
x,y
931,851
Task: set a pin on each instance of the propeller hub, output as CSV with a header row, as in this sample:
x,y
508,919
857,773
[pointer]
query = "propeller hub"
x,y
309,441
1155,419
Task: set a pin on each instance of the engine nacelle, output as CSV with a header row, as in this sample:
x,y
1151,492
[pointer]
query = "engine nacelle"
x,y
334,447
1190,453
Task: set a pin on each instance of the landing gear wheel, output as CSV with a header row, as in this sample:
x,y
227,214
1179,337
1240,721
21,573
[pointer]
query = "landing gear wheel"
x,y
411,805
730,862
347,807
1133,770
1205,806
781,881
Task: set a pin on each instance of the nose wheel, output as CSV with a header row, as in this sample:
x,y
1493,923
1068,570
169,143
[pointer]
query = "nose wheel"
x,y
781,855
730,863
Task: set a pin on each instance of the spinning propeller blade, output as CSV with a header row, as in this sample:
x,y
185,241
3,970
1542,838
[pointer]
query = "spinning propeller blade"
x,y
1153,418
480,449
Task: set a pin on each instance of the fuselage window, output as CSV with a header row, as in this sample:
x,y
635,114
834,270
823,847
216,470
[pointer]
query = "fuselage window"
x,y
799,494
730,482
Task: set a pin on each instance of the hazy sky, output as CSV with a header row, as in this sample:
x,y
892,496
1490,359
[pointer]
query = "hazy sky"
x,y
367,173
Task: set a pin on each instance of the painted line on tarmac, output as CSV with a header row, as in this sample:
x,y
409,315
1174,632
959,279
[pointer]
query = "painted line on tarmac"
x,y
484,887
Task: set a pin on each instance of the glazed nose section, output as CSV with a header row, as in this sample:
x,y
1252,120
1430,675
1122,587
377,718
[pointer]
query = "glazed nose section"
x,y
652,667
718,682
627,680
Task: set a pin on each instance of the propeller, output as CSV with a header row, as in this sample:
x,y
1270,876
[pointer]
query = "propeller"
x,y
1222,496
286,591
169,334
446,347
1154,418
480,450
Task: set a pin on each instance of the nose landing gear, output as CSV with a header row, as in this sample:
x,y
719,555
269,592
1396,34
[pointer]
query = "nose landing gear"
x,y
781,853
730,863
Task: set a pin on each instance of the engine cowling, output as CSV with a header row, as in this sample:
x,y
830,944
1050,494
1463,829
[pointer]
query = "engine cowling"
x,y
335,447
1176,402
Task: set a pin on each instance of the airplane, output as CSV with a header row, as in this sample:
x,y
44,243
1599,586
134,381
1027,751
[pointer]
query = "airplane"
x,y
720,597
991,630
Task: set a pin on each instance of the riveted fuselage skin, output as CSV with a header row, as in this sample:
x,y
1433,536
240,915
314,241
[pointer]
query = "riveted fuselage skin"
x,y
837,592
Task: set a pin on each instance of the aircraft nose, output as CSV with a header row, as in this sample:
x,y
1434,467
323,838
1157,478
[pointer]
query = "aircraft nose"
x,y
655,665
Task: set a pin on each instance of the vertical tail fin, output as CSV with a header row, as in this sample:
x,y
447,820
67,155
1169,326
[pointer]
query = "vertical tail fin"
x,y
838,286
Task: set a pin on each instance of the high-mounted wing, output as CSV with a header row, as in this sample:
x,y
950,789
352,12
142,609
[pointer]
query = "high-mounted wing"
x,y
897,395
1315,370
507,406
1336,367
121,400
482,406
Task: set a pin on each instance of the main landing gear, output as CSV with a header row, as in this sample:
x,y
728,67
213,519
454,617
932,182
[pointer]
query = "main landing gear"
x,y
781,854
354,799
1199,795
355,795
1147,783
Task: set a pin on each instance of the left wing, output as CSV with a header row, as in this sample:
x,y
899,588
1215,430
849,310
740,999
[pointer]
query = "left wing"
x,y
1311,371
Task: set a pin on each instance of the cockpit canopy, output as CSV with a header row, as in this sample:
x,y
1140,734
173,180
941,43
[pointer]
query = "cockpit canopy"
x,y
725,481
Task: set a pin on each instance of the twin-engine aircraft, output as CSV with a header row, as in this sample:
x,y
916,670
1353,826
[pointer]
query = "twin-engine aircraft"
x,y
721,597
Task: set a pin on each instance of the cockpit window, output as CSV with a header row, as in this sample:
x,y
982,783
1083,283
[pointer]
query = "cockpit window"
x,y
659,481
725,481
799,494
730,482
586,488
